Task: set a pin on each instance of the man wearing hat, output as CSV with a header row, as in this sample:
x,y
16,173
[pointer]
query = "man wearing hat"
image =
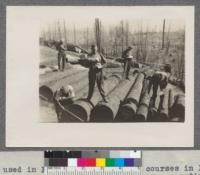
x,y
127,56
65,96
95,61
61,55
159,82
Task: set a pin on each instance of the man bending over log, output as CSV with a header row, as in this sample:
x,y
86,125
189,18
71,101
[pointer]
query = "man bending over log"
x,y
63,97
159,81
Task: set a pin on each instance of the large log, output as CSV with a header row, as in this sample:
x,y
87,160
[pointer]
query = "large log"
x,y
171,98
106,112
130,104
143,109
177,112
54,76
153,110
163,107
82,108
77,81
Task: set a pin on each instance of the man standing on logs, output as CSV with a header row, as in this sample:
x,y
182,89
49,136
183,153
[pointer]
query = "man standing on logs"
x,y
127,58
95,63
61,55
159,81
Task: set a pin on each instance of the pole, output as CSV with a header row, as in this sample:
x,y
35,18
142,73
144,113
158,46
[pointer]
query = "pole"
x,y
163,35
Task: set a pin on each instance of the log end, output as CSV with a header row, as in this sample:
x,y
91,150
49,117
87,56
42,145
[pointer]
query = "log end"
x,y
178,111
82,109
102,113
46,93
139,118
162,117
127,112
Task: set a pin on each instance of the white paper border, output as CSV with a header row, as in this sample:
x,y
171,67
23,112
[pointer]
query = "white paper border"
x,y
22,103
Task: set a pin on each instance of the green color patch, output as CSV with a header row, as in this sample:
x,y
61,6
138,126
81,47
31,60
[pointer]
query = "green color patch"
x,y
110,162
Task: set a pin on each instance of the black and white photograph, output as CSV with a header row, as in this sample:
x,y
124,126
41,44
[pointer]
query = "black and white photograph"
x,y
121,76
112,70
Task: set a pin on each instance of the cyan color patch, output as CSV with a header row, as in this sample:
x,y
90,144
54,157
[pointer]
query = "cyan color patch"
x,y
119,162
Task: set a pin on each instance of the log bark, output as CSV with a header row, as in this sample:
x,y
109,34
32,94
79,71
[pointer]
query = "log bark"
x,y
82,108
171,98
153,110
143,109
163,107
76,80
130,104
106,112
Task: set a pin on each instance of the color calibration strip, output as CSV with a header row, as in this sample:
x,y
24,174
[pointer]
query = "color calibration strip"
x,y
80,159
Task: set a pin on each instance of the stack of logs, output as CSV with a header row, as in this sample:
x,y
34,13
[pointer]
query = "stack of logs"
x,y
128,100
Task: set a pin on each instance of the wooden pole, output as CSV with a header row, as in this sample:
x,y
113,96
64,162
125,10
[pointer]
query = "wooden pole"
x,y
65,33
106,112
130,104
163,35
122,35
82,108
74,34
143,109
163,108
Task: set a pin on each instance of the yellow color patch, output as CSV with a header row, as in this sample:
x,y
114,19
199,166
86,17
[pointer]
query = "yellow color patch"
x,y
100,162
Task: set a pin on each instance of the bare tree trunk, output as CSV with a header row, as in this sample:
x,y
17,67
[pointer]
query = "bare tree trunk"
x,y
98,33
65,33
127,33
122,34
74,34
87,38
49,33
163,35
55,32
59,31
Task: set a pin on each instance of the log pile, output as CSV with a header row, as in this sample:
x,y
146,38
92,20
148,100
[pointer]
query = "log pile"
x,y
130,104
105,112
83,108
128,100
76,79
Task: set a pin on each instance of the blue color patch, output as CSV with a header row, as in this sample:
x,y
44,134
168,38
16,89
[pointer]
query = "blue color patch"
x,y
119,162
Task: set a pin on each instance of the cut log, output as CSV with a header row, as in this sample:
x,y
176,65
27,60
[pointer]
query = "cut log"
x,y
77,81
171,99
153,110
82,108
163,107
130,104
143,109
178,109
106,112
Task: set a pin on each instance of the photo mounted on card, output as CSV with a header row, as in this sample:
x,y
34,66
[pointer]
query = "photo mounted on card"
x,y
120,76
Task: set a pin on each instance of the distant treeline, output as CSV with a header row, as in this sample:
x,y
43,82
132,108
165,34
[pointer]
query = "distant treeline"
x,y
148,46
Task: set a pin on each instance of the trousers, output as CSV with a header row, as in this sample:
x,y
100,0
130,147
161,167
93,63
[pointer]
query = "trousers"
x,y
96,76
127,67
61,61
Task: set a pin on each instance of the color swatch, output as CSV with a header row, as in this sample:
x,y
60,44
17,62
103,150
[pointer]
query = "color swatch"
x,y
93,159
93,162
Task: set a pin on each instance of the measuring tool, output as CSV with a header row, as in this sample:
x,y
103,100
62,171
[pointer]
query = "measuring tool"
x,y
92,162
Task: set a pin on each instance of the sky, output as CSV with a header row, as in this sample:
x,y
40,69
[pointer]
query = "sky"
x,y
83,17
